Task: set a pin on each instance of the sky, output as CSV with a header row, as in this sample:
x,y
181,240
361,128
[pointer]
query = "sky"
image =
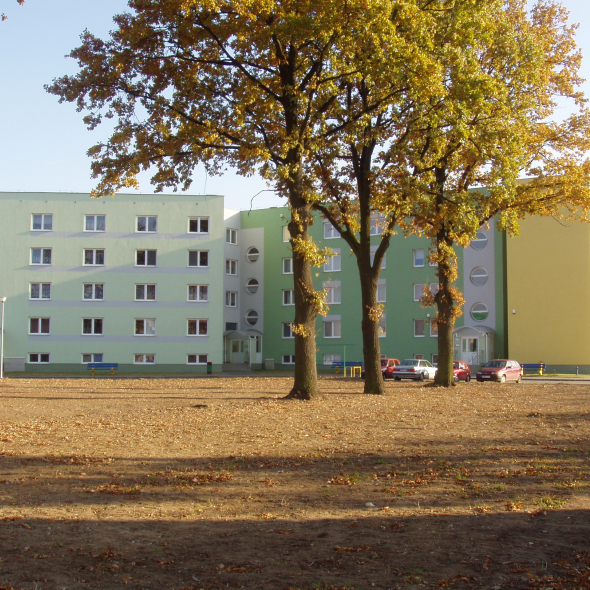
x,y
43,143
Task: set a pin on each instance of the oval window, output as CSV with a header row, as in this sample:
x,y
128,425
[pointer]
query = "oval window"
x,y
479,276
252,317
252,254
252,286
479,312
480,242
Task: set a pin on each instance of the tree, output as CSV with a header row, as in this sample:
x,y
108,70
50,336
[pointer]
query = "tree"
x,y
236,82
495,125
3,16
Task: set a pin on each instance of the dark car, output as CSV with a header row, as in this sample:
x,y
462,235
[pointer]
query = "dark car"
x,y
501,370
461,371
386,368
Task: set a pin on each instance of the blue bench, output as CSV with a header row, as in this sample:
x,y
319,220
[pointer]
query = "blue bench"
x,y
536,368
354,366
103,367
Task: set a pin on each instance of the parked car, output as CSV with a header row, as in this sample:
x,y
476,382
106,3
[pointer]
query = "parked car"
x,y
417,369
386,368
461,371
501,370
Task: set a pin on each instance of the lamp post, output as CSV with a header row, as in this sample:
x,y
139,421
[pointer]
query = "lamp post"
x,y
2,299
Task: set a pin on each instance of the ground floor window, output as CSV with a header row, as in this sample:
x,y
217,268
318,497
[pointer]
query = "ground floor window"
x,y
197,359
288,359
144,359
39,357
92,357
332,358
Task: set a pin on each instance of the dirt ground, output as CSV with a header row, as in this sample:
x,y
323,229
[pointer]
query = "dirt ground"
x,y
115,483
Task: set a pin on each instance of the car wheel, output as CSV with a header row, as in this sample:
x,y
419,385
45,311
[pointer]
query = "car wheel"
x,y
503,379
421,377
468,378
519,379
456,378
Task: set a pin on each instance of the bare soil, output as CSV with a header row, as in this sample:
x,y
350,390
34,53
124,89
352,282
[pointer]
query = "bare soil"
x,y
219,483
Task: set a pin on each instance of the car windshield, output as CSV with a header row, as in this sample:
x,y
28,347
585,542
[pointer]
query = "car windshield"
x,y
411,362
383,362
455,365
496,364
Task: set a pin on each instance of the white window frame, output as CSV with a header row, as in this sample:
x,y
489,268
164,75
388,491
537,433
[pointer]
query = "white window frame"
x,y
382,327
434,287
39,362
414,252
333,294
381,293
434,358
418,287
197,288
433,329
383,262
417,323
377,220
42,257
199,221
248,286
40,326
147,224
144,356
145,325
93,327
330,358
146,252
198,323
94,222
94,253
287,266
288,297
40,286
231,299
198,359
43,217
248,318
231,236
286,234
290,359
145,291
251,256
198,254
289,331
333,261
94,297
231,267
93,358
330,232
335,326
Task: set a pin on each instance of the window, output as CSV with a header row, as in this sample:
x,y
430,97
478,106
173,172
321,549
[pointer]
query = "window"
x,y
95,222
288,359
198,258
286,234
198,225
231,267
333,263
92,357
252,286
332,328
435,358
93,291
330,231
287,332
145,327
147,224
144,359
229,326
231,299
432,262
92,326
332,358
198,293
373,258
145,292
382,327
377,221
231,236
287,266
418,357
198,327
434,288
252,254
42,222
333,293
93,257
40,291
40,255
381,293
145,257
251,317
480,241
418,257
419,328
39,357
418,291
433,328
196,359
39,325
479,276
288,296
479,312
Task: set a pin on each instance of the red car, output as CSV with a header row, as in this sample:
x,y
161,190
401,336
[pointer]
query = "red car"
x,y
501,370
386,368
461,371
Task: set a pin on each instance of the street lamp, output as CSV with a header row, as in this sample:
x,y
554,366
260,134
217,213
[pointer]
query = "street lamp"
x,y
2,299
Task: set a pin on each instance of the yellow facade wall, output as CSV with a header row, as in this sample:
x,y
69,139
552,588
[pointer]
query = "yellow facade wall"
x,y
548,286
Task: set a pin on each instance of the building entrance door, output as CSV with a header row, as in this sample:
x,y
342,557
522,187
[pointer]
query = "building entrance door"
x,y
237,351
469,350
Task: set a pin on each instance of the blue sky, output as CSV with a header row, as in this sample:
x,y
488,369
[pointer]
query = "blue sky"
x,y
43,144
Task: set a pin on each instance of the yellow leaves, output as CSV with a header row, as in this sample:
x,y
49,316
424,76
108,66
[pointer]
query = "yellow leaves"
x,y
300,330
376,313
